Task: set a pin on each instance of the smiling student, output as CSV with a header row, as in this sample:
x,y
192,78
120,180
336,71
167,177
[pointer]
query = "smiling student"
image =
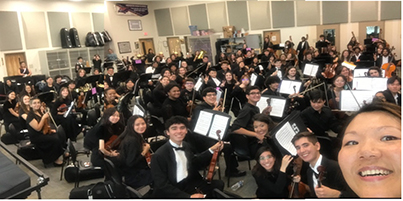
x,y
370,157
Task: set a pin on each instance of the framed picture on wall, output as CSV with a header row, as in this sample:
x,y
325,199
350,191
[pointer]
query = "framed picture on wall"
x,y
124,47
135,25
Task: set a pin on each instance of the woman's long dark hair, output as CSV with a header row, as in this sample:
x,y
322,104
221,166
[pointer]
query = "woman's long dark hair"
x,y
267,120
259,170
60,97
112,128
131,137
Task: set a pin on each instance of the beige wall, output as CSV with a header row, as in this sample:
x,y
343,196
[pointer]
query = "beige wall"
x,y
41,7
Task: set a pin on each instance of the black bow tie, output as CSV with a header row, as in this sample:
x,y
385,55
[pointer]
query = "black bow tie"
x,y
178,148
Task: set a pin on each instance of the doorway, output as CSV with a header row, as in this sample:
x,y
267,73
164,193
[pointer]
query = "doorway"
x,y
13,62
146,44
275,38
331,33
174,45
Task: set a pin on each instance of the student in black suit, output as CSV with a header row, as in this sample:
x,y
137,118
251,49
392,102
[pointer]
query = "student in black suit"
x,y
110,79
385,58
174,167
333,183
391,94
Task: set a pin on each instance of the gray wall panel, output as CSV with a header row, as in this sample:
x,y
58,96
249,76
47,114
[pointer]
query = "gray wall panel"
x,y
308,13
10,38
163,19
217,15
82,22
35,32
98,21
198,16
335,12
364,11
238,14
283,14
259,12
57,20
180,20
391,10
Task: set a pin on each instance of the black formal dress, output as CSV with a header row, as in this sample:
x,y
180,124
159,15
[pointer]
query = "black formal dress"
x,y
164,173
8,117
69,122
50,146
172,108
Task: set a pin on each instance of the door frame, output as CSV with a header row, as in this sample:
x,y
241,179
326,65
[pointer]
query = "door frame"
x,y
336,28
7,67
169,47
142,48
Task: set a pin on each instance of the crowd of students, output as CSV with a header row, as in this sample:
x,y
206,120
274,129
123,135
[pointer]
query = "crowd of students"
x,y
189,84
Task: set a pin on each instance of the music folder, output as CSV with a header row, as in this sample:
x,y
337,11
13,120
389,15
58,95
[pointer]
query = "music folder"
x,y
277,103
210,121
353,100
286,130
290,87
311,69
370,83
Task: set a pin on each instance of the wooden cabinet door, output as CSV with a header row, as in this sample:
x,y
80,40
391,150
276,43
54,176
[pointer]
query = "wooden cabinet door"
x,y
13,63
174,45
146,43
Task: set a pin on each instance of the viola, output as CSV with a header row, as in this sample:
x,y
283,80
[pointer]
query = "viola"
x,y
389,68
213,161
297,190
80,101
46,130
330,71
62,108
112,143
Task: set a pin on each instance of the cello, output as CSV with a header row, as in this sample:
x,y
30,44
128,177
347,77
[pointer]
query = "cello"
x,y
213,161
389,67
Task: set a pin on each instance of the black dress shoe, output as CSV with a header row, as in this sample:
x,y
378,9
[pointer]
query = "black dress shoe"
x,y
236,173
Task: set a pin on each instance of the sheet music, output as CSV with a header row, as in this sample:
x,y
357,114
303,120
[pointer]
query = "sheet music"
x,y
261,67
216,81
278,105
363,72
203,122
219,123
253,78
349,65
284,136
370,83
348,103
138,111
198,84
287,86
311,69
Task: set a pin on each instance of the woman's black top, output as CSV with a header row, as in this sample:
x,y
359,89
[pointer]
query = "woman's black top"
x,y
7,114
23,122
33,134
271,185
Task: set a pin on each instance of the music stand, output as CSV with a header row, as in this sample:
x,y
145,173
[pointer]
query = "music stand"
x,y
122,76
143,80
277,47
364,64
248,61
46,97
87,70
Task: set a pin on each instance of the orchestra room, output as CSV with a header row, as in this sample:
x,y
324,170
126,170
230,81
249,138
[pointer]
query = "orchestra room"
x,y
200,99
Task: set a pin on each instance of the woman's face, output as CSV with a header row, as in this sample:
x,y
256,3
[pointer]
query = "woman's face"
x,y
292,72
345,53
167,73
228,76
373,73
111,95
182,71
82,73
8,82
164,81
174,93
260,128
64,93
339,82
266,160
28,88
345,72
241,65
25,100
370,156
11,96
184,64
245,81
169,60
283,57
316,53
140,126
35,104
114,118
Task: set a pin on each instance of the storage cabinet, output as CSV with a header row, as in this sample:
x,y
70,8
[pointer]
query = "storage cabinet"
x,y
63,61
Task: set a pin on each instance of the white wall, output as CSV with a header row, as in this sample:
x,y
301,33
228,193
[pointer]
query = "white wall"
x,y
41,6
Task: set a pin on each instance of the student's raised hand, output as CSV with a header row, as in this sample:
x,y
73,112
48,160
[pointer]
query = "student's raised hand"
x,y
326,192
206,79
285,162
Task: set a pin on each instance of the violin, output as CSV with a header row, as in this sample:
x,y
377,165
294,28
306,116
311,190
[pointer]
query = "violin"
x,y
389,67
297,190
213,161
46,130
62,108
80,101
112,143
330,71
148,157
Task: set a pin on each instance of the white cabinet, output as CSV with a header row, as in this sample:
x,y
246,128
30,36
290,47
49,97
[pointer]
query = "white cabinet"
x,y
63,61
